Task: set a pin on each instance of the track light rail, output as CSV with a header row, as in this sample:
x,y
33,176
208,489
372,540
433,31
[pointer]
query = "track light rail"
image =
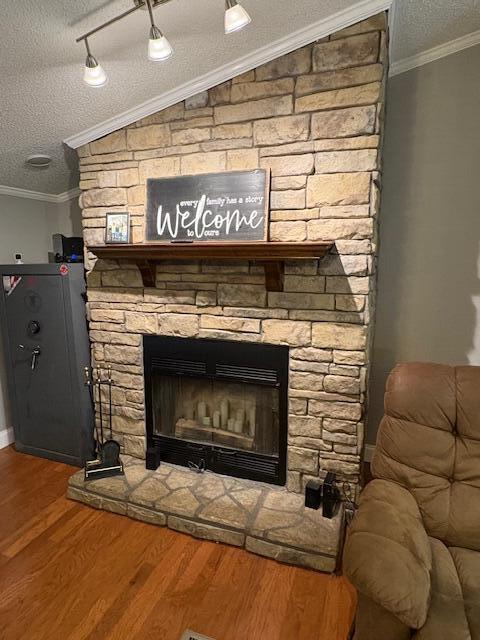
x,y
159,48
140,4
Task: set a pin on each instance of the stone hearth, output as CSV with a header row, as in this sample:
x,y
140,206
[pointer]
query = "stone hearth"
x,y
265,520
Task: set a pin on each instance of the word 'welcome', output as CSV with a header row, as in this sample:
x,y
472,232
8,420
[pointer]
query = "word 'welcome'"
x,y
199,222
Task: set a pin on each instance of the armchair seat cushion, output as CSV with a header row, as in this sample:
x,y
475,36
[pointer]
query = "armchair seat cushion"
x,y
446,617
467,564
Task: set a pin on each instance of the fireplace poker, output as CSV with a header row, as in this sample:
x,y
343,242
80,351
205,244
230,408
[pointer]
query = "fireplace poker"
x,y
109,378
89,383
99,385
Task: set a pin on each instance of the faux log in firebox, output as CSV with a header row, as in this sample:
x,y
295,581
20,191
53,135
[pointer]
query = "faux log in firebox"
x,y
271,254
217,405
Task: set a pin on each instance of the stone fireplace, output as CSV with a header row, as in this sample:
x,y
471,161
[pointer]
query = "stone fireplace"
x,y
314,118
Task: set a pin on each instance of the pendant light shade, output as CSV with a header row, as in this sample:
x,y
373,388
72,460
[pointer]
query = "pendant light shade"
x,y
236,17
159,48
94,75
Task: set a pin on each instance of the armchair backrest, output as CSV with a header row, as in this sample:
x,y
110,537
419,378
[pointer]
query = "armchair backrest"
x,y
429,442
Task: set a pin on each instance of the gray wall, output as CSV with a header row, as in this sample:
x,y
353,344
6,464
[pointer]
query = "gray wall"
x,y
428,306
27,226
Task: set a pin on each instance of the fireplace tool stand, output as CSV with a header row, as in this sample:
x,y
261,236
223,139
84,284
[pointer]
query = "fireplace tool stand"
x,y
107,462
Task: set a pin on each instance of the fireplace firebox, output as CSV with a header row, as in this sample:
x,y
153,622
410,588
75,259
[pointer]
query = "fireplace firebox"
x,y
217,405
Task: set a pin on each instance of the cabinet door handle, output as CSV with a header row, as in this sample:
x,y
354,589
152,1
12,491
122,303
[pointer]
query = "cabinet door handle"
x,y
35,353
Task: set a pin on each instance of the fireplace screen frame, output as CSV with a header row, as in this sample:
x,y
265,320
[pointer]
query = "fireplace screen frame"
x,y
225,361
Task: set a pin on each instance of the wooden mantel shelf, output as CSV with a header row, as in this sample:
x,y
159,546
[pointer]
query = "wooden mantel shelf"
x,y
271,254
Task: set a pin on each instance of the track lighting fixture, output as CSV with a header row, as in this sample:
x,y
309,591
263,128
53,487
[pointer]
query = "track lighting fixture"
x,y
93,75
159,48
236,17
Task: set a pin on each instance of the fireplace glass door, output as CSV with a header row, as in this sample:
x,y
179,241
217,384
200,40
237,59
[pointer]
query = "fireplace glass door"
x,y
217,405
229,414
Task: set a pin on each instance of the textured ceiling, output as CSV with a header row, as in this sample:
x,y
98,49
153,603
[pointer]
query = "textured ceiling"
x,y
43,99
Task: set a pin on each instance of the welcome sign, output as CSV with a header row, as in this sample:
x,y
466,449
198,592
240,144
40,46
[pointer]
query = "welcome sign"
x,y
220,207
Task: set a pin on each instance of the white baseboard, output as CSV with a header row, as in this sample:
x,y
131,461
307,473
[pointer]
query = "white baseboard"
x,y
6,438
369,449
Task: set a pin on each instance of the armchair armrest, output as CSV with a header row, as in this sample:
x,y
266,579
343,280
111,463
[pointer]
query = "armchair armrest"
x,y
387,553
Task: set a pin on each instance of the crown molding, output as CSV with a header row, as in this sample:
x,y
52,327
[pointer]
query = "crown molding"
x,y
27,193
392,23
66,196
430,55
280,47
39,195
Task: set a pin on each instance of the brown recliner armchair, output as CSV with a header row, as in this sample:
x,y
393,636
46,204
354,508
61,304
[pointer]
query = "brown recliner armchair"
x,y
413,549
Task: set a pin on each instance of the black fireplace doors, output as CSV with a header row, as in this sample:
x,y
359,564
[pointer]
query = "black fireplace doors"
x,y
217,405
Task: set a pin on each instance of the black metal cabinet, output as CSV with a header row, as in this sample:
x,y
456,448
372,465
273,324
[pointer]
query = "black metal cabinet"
x,y
46,347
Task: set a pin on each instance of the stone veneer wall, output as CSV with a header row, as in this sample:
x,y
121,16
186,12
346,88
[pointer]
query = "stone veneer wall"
x,y
314,117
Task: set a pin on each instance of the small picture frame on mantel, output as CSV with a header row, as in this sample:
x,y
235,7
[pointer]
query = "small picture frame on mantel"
x,y
117,229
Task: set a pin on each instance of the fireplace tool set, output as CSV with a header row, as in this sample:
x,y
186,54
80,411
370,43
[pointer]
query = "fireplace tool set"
x,y
107,462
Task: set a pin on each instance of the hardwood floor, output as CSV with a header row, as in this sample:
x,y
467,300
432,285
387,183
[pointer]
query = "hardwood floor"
x,y
68,572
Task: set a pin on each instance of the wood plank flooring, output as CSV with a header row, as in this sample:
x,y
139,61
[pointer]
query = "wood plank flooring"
x,y
68,572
